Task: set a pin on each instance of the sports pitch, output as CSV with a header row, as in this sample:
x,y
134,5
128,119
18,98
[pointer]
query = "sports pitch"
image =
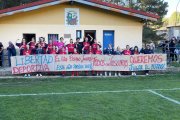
x,y
127,98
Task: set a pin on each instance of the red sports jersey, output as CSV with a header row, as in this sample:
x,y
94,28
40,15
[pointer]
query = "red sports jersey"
x,y
27,52
136,53
127,52
71,47
53,52
23,46
32,45
50,46
94,47
61,52
99,52
86,45
90,52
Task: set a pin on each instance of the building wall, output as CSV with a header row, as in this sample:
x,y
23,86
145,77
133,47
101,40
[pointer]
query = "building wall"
x,y
50,20
173,31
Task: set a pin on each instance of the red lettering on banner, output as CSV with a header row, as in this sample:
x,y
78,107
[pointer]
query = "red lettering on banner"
x,y
87,58
98,62
30,69
56,58
74,58
63,58
146,59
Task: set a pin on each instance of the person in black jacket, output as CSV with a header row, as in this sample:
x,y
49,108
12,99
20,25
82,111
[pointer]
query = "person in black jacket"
x,y
172,47
11,52
109,50
148,50
1,54
165,46
79,46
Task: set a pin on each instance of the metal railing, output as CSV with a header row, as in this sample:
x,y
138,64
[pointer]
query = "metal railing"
x,y
172,56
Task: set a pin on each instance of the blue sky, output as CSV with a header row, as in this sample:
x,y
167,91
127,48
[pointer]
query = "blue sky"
x,y
172,7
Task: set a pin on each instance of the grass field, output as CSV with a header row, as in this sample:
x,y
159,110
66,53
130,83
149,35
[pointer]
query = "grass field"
x,y
127,98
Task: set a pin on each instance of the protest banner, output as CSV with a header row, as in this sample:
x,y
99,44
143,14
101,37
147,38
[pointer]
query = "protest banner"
x,y
55,63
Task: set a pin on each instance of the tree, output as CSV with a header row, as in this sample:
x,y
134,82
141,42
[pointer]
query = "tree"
x,y
174,19
158,7
11,3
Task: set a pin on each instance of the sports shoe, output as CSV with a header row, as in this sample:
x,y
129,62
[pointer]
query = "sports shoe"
x,y
25,75
37,75
115,74
119,74
29,75
109,73
132,73
105,74
147,73
40,75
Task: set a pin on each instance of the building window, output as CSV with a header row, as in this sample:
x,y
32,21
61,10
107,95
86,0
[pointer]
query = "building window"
x,y
29,36
53,37
78,34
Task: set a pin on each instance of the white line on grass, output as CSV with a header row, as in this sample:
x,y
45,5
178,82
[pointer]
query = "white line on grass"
x,y
167,98
90,92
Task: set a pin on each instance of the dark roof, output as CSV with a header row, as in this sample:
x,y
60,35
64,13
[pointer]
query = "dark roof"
x,y
95,3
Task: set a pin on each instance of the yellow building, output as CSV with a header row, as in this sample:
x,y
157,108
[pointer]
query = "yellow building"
x,y
52,19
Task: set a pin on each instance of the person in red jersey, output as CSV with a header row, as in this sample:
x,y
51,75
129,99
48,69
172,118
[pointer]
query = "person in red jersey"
x,y
90,51
95,45
127,51
135,52
53,50
75,72
70,47
43,44
86,45
22,46
62,51
98,52
27,51
50,46
32,46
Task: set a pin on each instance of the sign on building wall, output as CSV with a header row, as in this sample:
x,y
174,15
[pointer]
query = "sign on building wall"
x,y
72,17
53,63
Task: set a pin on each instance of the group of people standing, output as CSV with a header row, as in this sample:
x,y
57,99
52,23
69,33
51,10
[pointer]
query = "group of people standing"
x,y
172,48
77,47
58,47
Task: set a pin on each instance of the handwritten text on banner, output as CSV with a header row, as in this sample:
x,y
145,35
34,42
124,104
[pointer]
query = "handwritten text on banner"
x,y
53,63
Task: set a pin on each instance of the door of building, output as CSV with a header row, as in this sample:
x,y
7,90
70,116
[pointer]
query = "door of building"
x,y
108,38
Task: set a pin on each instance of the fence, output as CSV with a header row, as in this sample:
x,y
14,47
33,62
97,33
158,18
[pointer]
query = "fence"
x,y
171,56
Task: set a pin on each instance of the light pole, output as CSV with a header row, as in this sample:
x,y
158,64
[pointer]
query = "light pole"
x,y
177,12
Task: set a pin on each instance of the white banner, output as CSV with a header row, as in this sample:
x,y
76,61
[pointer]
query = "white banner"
x,y
53,63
